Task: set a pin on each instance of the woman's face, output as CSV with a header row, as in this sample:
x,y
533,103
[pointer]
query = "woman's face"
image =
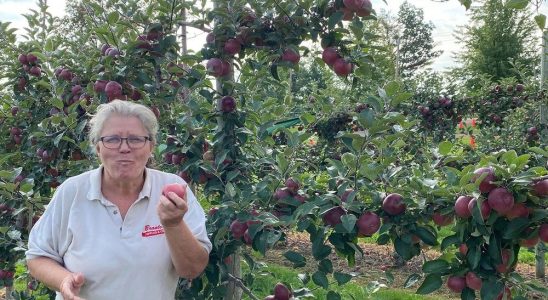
x,y
128,160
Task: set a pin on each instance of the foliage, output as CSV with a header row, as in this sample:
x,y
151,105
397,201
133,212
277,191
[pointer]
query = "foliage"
x,y
216,133
497,39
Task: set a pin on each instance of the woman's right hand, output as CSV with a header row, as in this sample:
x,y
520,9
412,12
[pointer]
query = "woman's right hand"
x,y
70,286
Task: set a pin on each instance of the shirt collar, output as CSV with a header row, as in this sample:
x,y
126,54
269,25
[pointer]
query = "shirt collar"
x,y
94,192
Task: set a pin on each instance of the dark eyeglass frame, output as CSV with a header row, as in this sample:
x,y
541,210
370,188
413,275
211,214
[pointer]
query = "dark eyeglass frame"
x,y
130,145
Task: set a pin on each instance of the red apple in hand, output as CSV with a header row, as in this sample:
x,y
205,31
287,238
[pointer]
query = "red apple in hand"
x,y
177,188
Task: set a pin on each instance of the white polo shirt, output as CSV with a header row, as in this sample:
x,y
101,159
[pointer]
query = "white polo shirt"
x,y
120,259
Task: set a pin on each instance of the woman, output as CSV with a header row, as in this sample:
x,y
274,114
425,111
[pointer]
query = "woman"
x,y
109,233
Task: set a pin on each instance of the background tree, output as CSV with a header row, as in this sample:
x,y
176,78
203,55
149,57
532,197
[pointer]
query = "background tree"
x,y
498,40
414,38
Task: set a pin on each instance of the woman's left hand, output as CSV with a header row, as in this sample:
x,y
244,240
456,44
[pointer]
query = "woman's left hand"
x,y
171,209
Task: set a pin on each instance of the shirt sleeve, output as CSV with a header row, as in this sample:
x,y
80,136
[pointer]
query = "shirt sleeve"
x,y
49,237
195,220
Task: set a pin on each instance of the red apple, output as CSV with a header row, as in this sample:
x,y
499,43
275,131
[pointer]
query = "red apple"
x,y
232,46
442,220
228,104
393,204
281,292
529,243
456,283
330,56
485,208
368,223
463,249
291,56
238,229
281,194
35,71
23,59
99,86
177,188
113,90
354,4
32,59
292,185
485,186
503,267
473,281
333,216
461,207
342,67
214,67
540,188
365,10
519,210
501,200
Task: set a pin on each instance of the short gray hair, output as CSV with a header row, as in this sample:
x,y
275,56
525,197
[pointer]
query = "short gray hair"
x,y
124,109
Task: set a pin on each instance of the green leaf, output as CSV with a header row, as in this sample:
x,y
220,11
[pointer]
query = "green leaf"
x,y
113,17
320,278
342,278
348,222
491,289
349,160
509,157
467,294
426,236
466,3
431,283
515,228
403,249
332,295
335,18
274,71
297,259
436,266
517,4
473,256
325,266
445,147
540,19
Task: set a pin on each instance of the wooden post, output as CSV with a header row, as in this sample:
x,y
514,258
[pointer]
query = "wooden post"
x,y
540,248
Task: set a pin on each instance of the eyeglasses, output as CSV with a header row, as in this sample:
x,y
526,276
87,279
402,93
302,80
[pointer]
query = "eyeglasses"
x,y
133,141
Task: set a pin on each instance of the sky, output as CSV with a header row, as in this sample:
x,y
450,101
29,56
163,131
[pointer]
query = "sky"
x,y
446,17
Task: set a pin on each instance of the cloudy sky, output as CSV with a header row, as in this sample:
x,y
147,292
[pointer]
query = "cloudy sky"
x,y
445,16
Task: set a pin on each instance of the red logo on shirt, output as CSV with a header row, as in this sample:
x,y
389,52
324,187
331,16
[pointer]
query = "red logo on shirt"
x,y
151,230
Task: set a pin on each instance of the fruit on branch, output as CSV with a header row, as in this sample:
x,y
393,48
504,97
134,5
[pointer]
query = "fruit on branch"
x,y
473,281
228,104
342,67
232,46
519,210
333,216
461,206
485,209
393,204
540,188
238,229
442,220
501,200
330,56
113,90
291,56
486,184
292,185
368,223
281,292
456,283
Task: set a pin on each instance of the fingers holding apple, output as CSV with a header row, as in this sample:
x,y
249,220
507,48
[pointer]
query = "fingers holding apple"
x,y
172,205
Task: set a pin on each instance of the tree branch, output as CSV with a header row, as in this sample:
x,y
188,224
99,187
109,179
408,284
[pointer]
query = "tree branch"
x,y
241,285
191,24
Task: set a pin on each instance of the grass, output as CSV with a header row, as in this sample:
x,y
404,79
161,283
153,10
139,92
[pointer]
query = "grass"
x,y
264,283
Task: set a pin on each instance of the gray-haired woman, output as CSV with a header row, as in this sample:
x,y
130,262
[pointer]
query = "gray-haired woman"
x,y
110,233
